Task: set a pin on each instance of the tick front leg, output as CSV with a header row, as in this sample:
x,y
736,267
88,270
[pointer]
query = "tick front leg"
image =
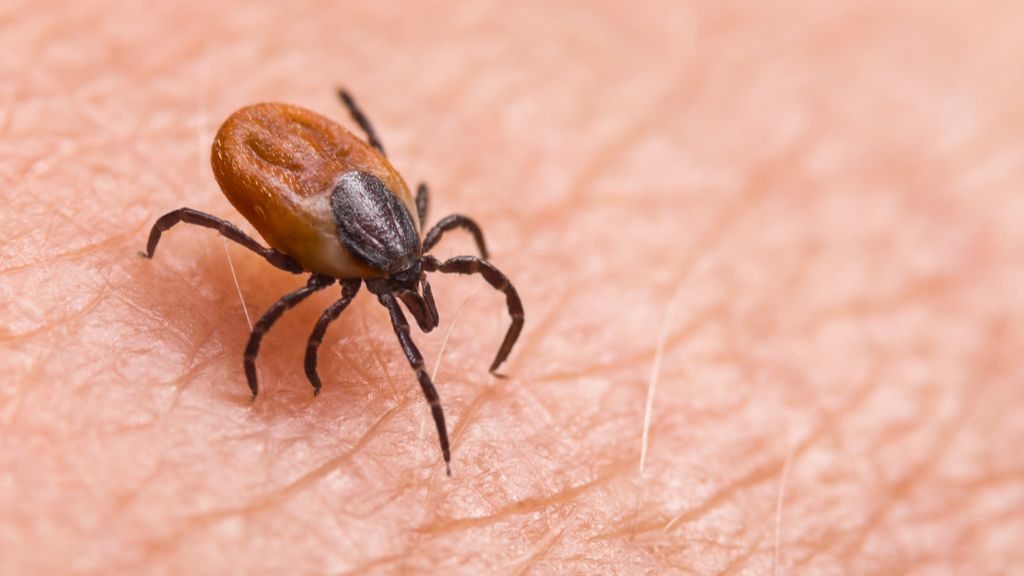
x,y
316,282
416,361
348,292
227,229
497,280
361,119
450,223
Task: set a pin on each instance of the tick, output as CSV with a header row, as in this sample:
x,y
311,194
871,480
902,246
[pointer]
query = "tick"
x,y
331,205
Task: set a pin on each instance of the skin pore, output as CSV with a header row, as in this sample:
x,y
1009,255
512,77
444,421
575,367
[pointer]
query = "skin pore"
x,y
770,256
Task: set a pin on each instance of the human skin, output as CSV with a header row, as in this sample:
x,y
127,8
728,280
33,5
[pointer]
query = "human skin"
x,y
770,255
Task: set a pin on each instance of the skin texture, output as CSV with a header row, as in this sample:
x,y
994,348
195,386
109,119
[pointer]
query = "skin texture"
x,y
799,220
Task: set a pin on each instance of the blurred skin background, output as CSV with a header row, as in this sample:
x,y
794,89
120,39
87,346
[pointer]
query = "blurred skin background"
x,y
770,254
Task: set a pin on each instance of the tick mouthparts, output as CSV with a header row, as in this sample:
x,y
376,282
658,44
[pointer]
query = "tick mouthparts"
x,y
418,308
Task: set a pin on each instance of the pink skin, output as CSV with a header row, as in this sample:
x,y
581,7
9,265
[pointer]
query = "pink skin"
x,y
813,212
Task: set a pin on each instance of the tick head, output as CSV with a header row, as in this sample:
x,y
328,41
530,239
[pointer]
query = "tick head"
x,y
407,279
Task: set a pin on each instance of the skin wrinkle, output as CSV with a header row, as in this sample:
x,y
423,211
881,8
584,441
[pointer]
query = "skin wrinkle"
x,y
698,320
472,409
184,382
54,324
11,406
918,291
100,250
762,473
741,560
192,344
523,506
844,213
633,131
351,365
894,494
562,498
925,467
281,494
544,545
5,110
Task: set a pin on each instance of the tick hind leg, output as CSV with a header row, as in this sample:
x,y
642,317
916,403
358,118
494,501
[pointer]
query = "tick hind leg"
x,y
361,119
348,292
401,326
227,229
422,200
494,277
316,282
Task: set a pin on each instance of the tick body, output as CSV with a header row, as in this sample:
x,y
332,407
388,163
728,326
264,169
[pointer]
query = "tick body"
x,y
331,205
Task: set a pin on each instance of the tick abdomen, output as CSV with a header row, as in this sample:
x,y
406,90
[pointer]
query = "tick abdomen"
x,y
278,165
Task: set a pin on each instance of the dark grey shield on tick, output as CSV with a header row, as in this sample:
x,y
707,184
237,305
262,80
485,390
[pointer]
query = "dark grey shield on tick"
x,y
373,223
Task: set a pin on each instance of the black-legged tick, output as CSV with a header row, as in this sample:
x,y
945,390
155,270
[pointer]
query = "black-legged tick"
x,y
332,206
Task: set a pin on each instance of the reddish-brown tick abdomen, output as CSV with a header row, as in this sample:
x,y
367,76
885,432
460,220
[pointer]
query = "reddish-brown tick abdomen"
x,y
278,165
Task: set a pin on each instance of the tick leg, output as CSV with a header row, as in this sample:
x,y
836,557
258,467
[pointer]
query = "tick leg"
x,y
361,119
316,282
422,199
494,277
348,292
227,229
416,360
450,223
